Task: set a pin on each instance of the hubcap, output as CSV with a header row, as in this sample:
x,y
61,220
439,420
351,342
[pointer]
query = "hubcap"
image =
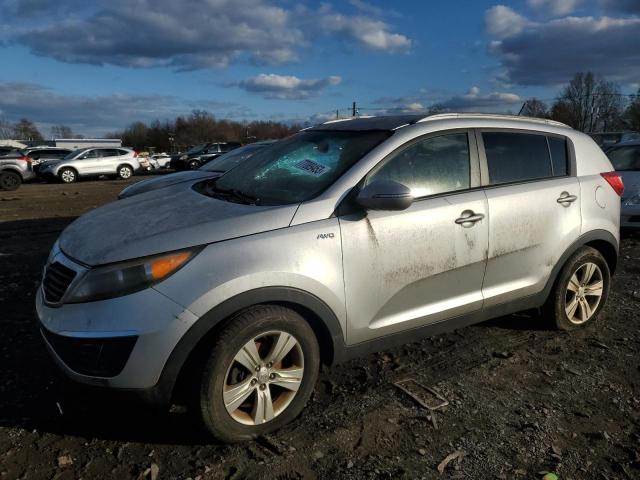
x,y
68,176
263,378
125,172
584,292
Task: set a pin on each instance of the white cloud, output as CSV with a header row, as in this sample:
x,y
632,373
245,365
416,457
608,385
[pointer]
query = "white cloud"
x,y
503,22
286,87
371,33
555,7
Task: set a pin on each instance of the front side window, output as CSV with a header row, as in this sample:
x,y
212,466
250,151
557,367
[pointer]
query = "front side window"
x,y
431,166
197,149
516,157
89,154
300,167
625,158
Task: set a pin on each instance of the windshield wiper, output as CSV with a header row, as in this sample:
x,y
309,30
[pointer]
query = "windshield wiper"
x,y
234,193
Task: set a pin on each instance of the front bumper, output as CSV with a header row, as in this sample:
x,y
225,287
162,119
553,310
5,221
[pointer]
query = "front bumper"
x,y
630,216
121,343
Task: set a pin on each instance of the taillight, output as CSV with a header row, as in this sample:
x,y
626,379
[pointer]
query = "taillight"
x,y
615,180
24,158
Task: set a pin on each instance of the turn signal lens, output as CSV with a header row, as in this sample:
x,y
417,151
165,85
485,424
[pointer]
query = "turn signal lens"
x,y
162,267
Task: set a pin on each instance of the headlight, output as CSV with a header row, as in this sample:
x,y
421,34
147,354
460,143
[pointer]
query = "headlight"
x,y
127,277
184,157
635,200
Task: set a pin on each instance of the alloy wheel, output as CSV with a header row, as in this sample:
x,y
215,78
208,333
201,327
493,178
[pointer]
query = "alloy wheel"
x,y
124,172
584,292
263,378
68,176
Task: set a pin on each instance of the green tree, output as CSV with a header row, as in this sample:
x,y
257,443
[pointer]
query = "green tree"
x,y
27,130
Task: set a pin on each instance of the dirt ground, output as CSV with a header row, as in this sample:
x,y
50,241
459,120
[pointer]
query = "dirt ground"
x,y
523,400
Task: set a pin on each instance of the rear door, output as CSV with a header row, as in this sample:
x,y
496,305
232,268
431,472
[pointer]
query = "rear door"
x,y
534,209
109,161
425,264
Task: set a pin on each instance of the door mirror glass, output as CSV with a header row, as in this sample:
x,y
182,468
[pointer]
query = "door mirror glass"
x,y
385,195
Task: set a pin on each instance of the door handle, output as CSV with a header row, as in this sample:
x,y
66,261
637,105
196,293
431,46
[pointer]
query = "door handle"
x,y
565,199
468,218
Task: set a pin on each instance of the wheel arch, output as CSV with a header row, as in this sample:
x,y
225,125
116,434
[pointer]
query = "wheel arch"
x,y
601,240
125,164
12,170
178,373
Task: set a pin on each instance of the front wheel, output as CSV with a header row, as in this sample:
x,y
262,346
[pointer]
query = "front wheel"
x,y
194,165
260,374
68,175
124,172
10,181
581,290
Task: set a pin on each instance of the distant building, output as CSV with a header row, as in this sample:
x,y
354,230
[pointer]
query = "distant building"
x,y
75,143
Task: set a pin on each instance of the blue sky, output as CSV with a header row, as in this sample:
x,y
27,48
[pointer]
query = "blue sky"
x,y
98,66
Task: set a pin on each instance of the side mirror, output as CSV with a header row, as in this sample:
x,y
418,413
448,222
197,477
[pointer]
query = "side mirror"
x,y
385,195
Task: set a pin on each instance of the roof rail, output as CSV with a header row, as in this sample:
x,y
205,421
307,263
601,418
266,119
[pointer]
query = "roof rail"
x,y
496,116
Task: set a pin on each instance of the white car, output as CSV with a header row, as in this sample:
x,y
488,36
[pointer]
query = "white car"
x,y
86,162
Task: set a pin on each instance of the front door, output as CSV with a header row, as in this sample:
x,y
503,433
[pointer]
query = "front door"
x,y
406,269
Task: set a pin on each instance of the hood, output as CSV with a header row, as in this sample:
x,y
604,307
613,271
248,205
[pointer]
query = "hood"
x,y
631,180
165,181
163,220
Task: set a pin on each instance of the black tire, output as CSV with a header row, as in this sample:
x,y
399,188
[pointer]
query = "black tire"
x,y
10,181
249,325
124,172
193,165
68,175
560,297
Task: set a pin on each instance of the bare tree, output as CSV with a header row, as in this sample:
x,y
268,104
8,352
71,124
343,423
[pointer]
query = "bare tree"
x,y
589,104
7,130
61,131
27,130
632,115
535,108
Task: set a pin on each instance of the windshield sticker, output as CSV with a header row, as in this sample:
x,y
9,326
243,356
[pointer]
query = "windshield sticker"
x,y
315,169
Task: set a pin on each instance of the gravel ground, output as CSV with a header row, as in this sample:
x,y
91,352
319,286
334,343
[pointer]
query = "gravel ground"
x,y
523,400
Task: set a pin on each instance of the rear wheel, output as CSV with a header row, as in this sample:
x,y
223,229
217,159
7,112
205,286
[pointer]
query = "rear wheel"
x,y
194,165
68,175
260,374
10,181
581,290
124,172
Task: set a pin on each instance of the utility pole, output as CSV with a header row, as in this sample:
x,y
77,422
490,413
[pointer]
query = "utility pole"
x,y
354,110
337,114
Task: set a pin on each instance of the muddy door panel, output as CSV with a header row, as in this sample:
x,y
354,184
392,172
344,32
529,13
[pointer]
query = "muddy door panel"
x,y
530,228
414,267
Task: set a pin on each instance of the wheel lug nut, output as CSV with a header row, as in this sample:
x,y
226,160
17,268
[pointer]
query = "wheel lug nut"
x,y
269,365
272,376
253,382
257,368
263,386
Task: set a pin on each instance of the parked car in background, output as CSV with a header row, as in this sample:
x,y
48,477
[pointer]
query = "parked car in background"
x,y
197,156
212,169
625,158
160,160
349,237
40,155
15,168
86,162
607,139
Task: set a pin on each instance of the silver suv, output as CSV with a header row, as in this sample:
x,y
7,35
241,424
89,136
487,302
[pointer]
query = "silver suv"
x,y
86,162
349,237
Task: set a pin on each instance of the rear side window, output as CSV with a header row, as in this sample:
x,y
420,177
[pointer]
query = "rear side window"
x,y
108,153
516,157
123,152
431,166
559,156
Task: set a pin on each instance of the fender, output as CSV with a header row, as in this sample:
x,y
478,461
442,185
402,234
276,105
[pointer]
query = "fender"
x,y
330,326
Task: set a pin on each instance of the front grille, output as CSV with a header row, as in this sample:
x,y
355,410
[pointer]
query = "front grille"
x,y
98,357
57,279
